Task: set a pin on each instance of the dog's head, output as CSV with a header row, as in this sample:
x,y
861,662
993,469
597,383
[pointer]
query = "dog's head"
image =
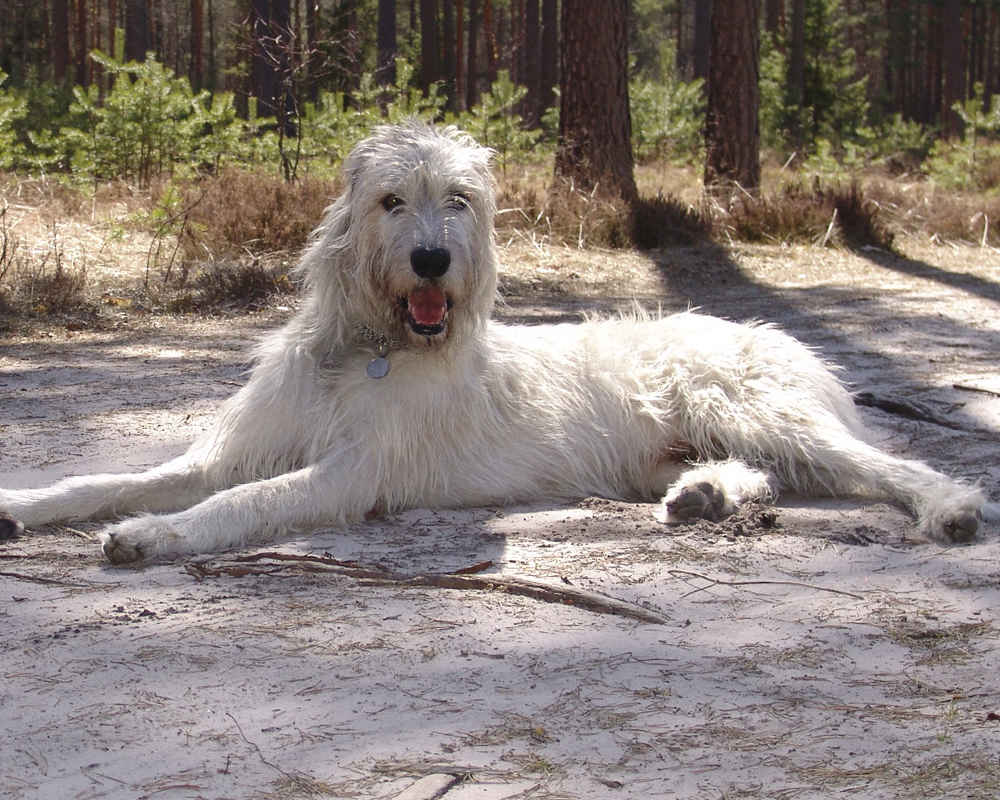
x,y
408,248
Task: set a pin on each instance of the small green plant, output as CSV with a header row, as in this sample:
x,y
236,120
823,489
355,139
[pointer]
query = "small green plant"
x,y
13,109
496,123
667,120
149,123
972,162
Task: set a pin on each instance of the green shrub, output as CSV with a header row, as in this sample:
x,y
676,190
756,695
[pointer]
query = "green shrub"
x,y
495,122
667,120
972,162
13,109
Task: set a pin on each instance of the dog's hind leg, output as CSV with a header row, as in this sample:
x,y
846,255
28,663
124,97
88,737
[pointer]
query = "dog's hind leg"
x,y
171,486
947,510
714,490
833,462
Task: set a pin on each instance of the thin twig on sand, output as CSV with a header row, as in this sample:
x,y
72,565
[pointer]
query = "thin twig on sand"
x,y
719,582
271,563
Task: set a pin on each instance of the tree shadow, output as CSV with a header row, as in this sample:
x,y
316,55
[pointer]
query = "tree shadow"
x,y
916,268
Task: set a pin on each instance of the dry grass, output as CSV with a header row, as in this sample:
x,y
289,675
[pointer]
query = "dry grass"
x,y
227,240
239,212
795,214
923,209
232,285
38,278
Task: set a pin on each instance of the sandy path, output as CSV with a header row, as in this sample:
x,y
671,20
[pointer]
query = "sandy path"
x,y
819,651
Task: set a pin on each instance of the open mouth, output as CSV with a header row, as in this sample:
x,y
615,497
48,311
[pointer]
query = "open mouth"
x,y
426,309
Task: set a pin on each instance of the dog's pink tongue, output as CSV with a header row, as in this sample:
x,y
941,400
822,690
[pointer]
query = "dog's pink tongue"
x,y
428,305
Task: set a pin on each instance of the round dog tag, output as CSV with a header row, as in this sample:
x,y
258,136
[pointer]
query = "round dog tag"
x,y
378,367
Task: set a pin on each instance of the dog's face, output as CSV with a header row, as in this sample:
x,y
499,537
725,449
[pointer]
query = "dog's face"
x,y
421,205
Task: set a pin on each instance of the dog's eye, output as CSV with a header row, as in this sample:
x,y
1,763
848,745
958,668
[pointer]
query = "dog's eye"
x,y
391,202
458,201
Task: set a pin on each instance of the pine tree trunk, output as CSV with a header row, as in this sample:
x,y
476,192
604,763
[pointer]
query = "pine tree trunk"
x,y
702,38
312,42
197,36
732,134
595,129
429,59
136,30
472,65
262,78
458,95
549,66
60,39
796,80
954,66
82,73
773,13
386,67
532,70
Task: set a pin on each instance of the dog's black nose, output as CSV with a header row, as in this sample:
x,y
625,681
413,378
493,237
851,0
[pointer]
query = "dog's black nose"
x,y
431,263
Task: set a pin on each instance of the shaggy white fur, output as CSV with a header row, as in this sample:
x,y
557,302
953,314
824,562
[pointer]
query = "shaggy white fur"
x,y
391,388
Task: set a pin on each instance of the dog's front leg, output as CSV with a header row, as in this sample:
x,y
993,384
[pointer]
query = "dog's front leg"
x,y
252,512
176,484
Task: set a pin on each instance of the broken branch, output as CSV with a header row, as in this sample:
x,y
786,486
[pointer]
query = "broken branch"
x,y
271,563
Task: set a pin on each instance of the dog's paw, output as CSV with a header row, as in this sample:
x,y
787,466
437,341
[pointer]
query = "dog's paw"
x,y
700,500
957,526
10,528
140,539
955,519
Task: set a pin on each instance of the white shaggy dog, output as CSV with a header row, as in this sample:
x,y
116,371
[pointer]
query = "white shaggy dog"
x,y
392,388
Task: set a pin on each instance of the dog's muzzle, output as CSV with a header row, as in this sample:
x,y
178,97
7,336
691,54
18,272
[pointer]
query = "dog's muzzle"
x,y
427,305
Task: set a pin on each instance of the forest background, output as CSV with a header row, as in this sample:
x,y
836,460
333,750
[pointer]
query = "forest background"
x,y
219,125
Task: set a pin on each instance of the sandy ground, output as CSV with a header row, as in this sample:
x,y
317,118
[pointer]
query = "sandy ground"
x,y
817,649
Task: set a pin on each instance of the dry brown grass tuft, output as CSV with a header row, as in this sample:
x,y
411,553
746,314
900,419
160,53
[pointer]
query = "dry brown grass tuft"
x,y
796,214
919,208
564,214
38,281
233,285
237,212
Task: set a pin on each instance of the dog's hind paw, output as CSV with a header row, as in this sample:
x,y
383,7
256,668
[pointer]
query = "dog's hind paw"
x,y
701,500
961,527
10,528
139,539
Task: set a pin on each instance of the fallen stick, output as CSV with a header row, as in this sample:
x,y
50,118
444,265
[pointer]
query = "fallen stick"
x,y
720,582
904,408
918,411
271,563
48,581
964,387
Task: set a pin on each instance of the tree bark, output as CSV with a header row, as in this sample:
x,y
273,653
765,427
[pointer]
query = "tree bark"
x,y
458,95
82,73
702,38
386,67
532,68
773,16
430,70
954,66
60,39
595,129
137,40
732,133
796,80
262,76
549,66
197,37
472,64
